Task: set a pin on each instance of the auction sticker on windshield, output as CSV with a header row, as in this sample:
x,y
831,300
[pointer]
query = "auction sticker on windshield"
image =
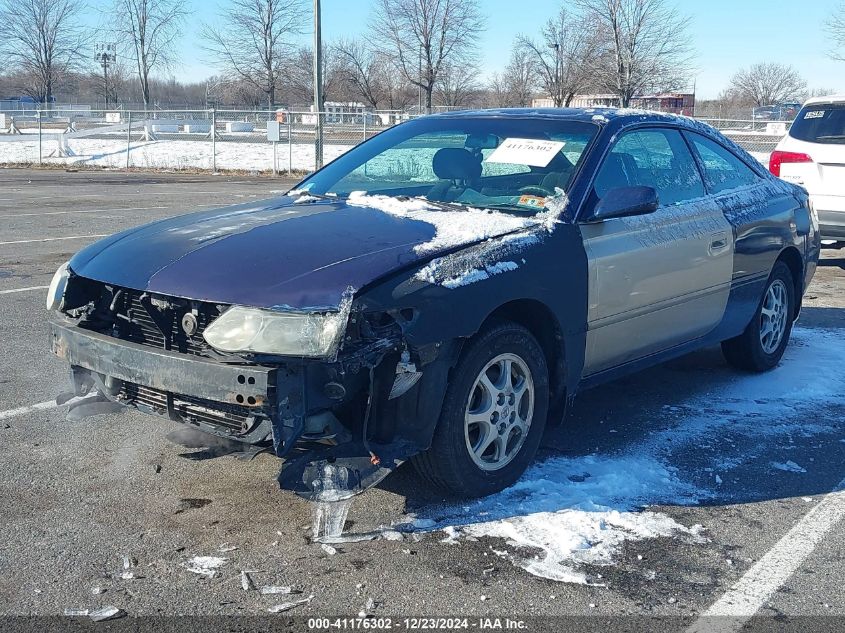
x,y
526,151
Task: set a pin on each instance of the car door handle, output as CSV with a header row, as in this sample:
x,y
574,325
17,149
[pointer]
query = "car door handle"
x,y
718,242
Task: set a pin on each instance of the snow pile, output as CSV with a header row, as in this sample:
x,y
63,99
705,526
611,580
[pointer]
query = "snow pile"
x,y
453,228
567,512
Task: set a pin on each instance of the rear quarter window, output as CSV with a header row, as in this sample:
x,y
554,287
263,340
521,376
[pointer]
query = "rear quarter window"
x,y
820,123
722,170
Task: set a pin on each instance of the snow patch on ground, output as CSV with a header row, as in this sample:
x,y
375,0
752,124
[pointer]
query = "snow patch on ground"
x,y
170,154
567,512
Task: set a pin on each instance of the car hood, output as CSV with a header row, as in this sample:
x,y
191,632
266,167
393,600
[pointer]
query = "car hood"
x,y
274,254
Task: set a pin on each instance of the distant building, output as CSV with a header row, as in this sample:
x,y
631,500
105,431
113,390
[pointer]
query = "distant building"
x,y
676,102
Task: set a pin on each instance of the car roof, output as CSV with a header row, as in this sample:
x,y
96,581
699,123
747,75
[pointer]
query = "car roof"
x,y
596,115
827,99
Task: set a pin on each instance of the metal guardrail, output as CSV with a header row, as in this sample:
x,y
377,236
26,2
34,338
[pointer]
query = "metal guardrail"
x,y
234,139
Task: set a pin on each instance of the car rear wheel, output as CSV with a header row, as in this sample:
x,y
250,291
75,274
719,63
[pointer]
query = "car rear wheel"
x,y
493,414
761,346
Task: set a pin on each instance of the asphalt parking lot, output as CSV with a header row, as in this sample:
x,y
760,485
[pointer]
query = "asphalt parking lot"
x,y
729,451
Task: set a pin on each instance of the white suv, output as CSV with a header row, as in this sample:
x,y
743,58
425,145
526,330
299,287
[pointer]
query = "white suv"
x,y
812,155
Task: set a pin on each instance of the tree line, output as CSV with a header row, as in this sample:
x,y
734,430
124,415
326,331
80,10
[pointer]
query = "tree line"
x,y
424,51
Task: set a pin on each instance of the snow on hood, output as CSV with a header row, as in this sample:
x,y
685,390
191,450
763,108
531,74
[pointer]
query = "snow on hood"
x,y
576,511
453,228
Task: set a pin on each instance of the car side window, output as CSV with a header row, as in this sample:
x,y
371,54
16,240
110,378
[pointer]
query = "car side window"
x,y
722,170
657,158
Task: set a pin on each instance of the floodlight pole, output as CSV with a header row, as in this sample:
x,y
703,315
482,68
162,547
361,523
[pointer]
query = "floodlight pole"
x,y
318,88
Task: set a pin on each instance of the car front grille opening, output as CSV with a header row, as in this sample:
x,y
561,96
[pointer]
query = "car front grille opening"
x,y
229,417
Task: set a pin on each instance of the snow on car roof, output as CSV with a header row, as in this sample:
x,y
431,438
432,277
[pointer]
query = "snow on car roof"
x,y
827,99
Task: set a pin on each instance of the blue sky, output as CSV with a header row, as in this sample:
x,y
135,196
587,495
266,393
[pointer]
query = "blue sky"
x,y
727,34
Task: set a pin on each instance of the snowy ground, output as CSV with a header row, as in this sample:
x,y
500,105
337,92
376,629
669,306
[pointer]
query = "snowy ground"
x,y
568,512
169,154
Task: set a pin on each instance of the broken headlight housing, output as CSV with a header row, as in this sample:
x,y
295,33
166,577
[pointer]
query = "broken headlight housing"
x,y
56,290
241,329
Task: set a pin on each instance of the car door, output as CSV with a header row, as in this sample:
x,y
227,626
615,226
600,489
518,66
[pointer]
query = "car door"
x,y
661,279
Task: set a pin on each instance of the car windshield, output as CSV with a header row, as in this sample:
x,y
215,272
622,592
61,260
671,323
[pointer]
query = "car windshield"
x,y
508,163
820,123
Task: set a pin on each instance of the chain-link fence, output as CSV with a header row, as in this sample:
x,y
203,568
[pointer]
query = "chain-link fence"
x,y
234,140
188,139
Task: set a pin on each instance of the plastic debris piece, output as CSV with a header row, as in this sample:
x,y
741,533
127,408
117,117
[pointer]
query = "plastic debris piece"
x,y
106,613
371,604
227,548
275,589
246,582
76,611
129,562
349,538
127,575
392,535
287,606
204,565
97,591
328,549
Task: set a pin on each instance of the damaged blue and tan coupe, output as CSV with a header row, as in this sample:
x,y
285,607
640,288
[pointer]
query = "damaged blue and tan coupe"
x,y
441,292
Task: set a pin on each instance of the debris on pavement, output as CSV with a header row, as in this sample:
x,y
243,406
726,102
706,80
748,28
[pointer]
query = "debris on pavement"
x,y
227,548
75,611
129,562
328,549
277,589
204,565
246,582
287,606
106,613
97,590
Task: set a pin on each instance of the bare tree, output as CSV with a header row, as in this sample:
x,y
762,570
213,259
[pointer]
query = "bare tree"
x,y
566,56
424,36
519,77
456,86
43,39
251,40
149,30
360,65
836,29
768,83
648,46
298,76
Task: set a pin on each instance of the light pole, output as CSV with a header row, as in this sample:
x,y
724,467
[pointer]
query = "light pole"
x,y
318,87
105,54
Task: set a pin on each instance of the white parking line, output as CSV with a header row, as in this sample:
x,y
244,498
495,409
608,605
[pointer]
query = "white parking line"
x,y
55,239
20,215
13,290
11,413
730,612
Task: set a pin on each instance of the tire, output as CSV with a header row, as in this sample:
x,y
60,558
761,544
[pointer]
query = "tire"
x,y
753,350
457,463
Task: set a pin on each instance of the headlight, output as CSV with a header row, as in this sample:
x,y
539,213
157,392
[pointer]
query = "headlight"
x,y
285,333
56,292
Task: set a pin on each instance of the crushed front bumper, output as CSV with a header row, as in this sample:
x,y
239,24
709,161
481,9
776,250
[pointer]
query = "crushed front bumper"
x,y
234,401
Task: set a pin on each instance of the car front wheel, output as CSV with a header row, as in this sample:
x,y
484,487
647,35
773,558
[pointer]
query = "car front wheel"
x,y
761,346
493,414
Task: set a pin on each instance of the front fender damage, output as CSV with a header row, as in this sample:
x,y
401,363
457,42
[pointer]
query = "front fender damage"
x,y
362,416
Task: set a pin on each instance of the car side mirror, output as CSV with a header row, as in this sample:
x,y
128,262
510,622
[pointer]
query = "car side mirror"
x,y
623,202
